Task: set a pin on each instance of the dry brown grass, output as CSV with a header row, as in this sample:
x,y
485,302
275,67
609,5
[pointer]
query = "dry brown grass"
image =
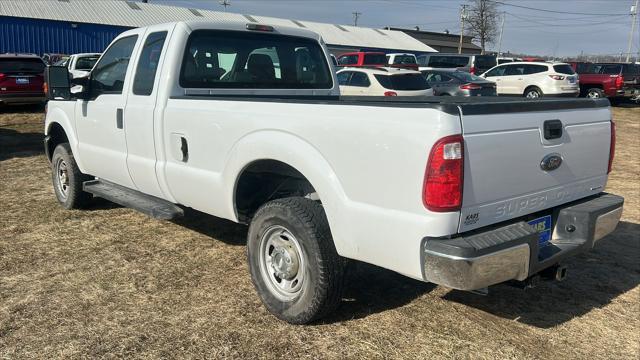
x,y
110,282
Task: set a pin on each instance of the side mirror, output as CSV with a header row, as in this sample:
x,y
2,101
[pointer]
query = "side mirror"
x,y
56,83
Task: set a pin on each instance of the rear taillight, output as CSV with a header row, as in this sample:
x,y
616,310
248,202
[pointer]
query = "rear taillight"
x,y
390,93
442,189
619,82
470,87
557,77
612,146
472,70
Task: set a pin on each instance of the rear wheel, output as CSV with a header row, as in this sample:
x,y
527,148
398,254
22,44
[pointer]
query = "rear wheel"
x,y
67,179
533,92
293,262
595,93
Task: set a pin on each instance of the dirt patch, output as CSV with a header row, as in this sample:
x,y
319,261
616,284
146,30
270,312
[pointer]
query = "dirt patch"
x,y
110,282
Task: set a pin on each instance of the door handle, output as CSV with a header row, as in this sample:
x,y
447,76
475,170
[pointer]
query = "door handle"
x,y
119,118
184,148
519,78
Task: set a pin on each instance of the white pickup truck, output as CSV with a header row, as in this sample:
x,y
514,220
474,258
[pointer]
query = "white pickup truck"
x,y
245,122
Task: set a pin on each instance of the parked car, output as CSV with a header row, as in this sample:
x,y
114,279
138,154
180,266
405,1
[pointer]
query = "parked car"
x,y
616,81
465,193
382,82
357,59
458,83
473,64
405,61
21,79
534,79
80,65
51,59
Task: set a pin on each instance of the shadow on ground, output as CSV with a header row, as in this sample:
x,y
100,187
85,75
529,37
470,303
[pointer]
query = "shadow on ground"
x,y
594,280
18,144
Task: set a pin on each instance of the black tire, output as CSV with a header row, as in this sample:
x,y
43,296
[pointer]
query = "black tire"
x,y
322,268
533,92
67,181
595,93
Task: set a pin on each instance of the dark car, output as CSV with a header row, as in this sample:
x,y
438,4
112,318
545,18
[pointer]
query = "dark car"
x,y
458,83
21,79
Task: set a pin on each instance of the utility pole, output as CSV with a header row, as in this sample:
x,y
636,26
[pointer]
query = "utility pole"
x,y
634,13
504,14
356,15
463,16
225,3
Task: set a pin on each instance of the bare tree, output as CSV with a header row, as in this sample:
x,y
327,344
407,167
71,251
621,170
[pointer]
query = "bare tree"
x,y
482,19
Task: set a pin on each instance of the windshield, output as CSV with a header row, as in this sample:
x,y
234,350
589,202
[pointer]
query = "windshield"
x,y
375,59
448,61
86,62
404,59
403,82
564,69
466,77
32,65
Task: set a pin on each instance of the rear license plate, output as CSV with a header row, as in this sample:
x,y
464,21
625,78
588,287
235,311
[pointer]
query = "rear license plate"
x,y
543,226
572,80
22,81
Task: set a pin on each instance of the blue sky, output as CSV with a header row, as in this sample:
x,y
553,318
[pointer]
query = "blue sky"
x,y
525,30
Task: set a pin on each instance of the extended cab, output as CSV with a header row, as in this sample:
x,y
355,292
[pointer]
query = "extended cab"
x,y
246,122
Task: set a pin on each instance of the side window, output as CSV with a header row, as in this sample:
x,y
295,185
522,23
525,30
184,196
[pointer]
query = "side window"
x,y
348,60
148,63
534,69
497,71
360,79
514,70
343,77
108,75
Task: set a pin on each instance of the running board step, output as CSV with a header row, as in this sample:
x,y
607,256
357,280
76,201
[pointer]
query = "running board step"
x,y
146,204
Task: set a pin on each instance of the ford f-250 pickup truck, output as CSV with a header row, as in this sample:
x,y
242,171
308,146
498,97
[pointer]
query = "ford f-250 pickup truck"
x,y
245,122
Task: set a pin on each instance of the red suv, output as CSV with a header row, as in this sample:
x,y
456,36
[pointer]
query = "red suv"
x,y
361,58
21,79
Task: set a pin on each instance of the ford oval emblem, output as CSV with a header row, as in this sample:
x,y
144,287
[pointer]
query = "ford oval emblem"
x,y
551,162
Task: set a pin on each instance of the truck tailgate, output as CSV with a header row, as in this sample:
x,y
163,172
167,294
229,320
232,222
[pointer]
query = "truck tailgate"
x,y
510,163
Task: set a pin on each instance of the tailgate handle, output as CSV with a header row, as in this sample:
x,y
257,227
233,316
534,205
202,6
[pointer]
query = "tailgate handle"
x,y
552,129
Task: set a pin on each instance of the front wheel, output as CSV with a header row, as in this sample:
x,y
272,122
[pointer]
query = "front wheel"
x,y
67,179
595,93
293,262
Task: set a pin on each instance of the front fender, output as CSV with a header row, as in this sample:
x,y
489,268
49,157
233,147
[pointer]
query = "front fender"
x,y
301,155
61,113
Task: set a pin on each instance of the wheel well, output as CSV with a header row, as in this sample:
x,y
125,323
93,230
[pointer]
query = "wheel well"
x,y
266,180
57,136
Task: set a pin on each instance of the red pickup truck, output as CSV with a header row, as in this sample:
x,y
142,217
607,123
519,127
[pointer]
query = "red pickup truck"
x,y
613,80
362,58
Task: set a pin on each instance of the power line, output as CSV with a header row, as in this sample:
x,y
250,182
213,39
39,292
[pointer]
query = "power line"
x,y
553,11
561,25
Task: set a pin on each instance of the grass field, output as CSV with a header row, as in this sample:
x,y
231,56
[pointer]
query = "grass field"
x,y
109,282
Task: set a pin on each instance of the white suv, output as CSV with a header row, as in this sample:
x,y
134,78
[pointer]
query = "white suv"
x,y
534,79
384,81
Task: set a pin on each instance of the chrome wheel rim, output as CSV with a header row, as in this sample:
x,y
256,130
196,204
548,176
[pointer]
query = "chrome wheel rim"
x,y
62,176
533,94
593,94
282,263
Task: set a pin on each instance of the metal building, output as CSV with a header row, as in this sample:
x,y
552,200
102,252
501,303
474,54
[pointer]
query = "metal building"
x,y
73,26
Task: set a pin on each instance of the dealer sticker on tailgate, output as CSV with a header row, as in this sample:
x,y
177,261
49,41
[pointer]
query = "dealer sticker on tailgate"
x,y
543,226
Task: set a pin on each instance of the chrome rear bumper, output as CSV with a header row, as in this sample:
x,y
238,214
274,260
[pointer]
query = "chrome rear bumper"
x,y
511,252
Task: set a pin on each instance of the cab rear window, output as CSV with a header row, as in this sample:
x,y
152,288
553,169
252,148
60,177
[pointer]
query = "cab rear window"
x,y
27,65
375,59
448,61
403,82
239,60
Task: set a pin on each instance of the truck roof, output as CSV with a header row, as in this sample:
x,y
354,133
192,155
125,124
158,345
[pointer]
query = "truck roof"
x,y
242,26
